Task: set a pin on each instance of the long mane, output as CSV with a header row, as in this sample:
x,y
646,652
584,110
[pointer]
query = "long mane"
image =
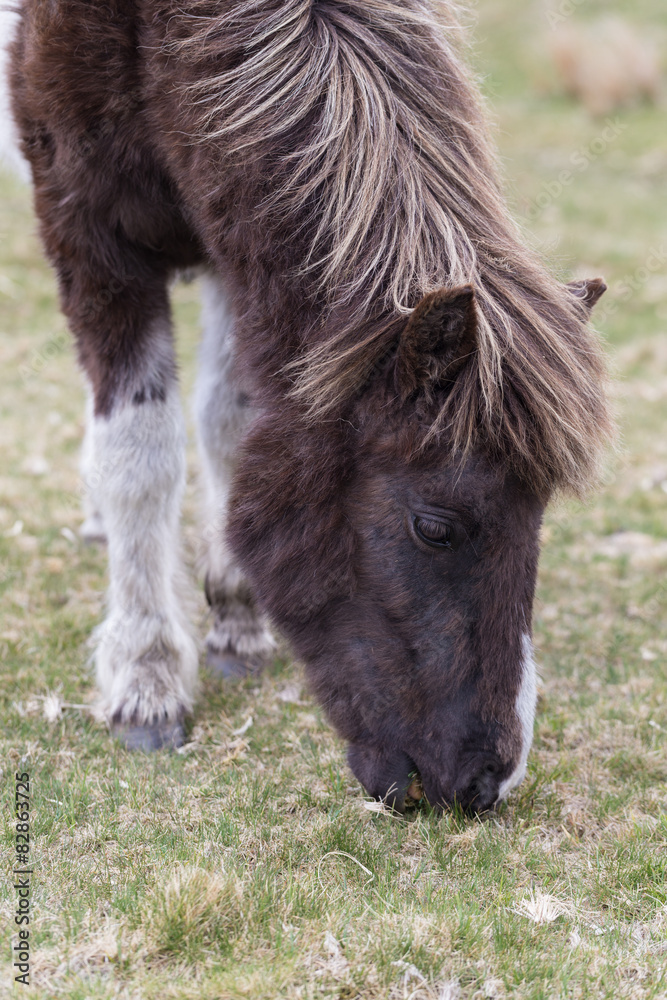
x,y
382,171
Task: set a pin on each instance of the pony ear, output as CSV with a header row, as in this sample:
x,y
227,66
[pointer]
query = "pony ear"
x,y
438,339
588,291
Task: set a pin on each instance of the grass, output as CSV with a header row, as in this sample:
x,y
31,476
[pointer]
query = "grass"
x,y
247,866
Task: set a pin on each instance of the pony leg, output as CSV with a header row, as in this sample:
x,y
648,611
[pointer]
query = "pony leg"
x,y
113,228
239,642
92,529
146,659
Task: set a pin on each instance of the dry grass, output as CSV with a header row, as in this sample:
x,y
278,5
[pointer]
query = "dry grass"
x,y
247,866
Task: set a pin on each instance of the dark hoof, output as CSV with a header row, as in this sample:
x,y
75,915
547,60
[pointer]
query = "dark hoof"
x,y
92,531
161,736
230,667
94,539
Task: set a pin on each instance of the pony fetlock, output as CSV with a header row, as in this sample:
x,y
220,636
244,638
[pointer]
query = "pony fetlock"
x,y
239,643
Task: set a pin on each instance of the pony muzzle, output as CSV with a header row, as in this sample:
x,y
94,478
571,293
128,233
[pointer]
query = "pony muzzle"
x,y
394,778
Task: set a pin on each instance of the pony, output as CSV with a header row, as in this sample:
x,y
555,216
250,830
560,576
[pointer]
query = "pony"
x,y
392,385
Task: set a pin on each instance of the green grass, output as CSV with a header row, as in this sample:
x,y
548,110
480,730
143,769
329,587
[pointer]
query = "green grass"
x,y
247,866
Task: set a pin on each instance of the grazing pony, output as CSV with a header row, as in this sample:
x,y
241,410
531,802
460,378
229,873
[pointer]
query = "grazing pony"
x,y
392,386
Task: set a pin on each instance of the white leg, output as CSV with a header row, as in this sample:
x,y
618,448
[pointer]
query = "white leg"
x,y
239,641
146,658
92,529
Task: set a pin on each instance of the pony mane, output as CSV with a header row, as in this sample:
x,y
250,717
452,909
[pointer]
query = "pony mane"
x,y
378,165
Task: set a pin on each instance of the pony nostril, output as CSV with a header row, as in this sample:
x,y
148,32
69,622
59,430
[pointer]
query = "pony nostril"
x,y
482,791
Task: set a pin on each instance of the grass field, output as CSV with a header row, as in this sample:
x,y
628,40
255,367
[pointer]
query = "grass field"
x,y
246,866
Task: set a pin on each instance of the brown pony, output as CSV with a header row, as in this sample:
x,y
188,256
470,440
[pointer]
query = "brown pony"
x,y
392,386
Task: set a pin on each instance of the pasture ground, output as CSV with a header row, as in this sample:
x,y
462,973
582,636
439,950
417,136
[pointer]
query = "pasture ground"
x,y
247,866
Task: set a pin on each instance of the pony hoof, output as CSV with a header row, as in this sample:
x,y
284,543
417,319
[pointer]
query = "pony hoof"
x,y
161,736
231,667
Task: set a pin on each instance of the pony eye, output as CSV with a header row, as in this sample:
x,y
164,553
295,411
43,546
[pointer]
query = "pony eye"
x,y
437,534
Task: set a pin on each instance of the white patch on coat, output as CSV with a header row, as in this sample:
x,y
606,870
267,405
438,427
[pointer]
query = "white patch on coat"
x,y
222,416
146,659
525,710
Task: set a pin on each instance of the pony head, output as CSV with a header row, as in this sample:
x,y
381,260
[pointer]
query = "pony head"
x,y
401,561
